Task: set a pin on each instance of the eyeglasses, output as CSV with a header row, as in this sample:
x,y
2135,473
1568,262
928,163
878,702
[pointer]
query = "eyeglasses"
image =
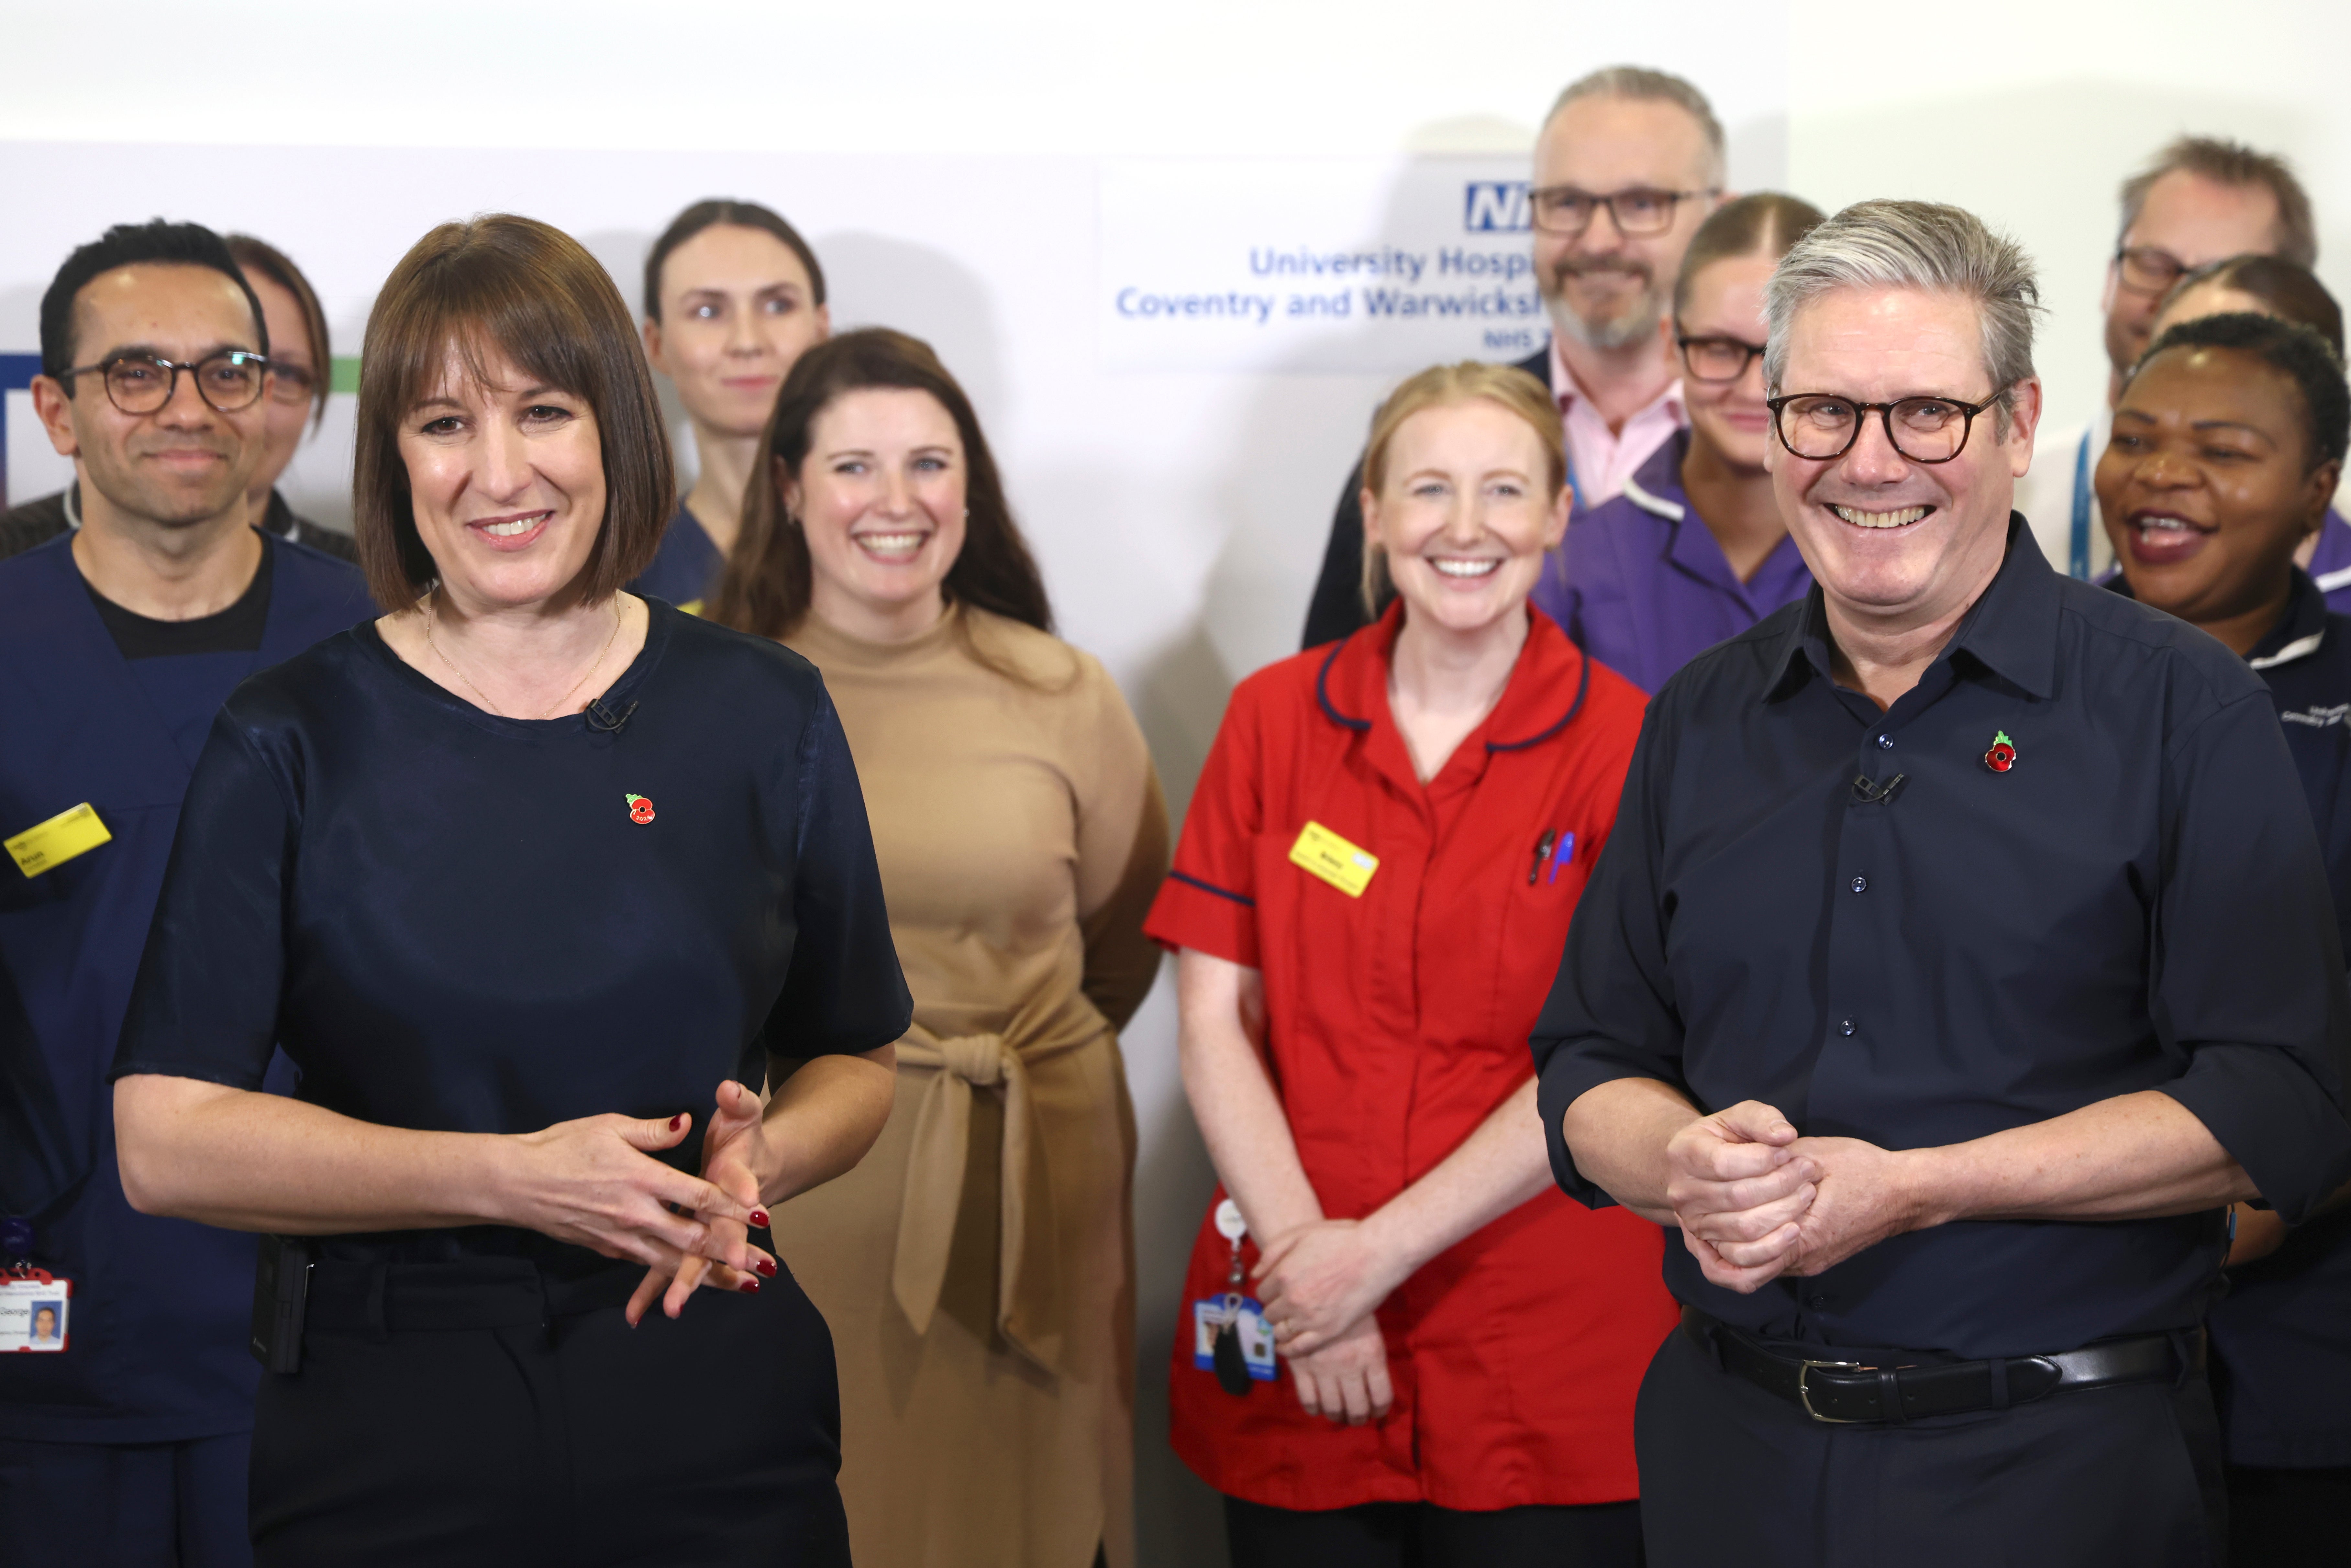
x,y
1564,210
1717,359
141,384
292,386
2149,269
1820,427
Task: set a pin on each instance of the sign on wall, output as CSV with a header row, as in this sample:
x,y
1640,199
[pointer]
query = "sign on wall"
x,y
1374,265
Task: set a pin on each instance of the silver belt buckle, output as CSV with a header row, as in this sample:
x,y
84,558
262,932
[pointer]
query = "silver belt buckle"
x,y
1805,1394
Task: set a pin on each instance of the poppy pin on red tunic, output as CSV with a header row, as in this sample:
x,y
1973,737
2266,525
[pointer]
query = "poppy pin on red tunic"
x,y
639,809
2002,755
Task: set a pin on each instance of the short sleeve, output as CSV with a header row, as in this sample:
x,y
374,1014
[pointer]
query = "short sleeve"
x,y
1208,902
845,992
1610,1014
205,1003
2249,977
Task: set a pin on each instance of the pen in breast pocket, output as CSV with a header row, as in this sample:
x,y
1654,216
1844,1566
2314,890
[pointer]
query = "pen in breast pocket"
x,y
1542,848
1565,853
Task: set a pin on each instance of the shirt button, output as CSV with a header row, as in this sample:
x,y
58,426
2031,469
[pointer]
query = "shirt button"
x,y
1845,1027
1884,743
1861,885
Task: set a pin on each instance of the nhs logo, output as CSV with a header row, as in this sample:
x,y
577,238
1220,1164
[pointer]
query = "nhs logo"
x,y
1491,206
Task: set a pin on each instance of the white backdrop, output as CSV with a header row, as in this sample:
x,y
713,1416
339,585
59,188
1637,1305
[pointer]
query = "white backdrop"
x,y
987,177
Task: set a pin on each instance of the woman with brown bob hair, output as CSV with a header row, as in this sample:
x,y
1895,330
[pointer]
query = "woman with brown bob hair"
x,y
977,1267
539,884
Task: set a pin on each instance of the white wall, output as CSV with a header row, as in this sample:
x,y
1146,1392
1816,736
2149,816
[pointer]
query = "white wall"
x,y
944,158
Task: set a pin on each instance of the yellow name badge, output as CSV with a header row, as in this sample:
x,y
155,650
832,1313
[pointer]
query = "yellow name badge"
x,y
1335,860
47,845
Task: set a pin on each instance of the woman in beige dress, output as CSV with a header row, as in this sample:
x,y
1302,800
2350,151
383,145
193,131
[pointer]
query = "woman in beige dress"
x,y
977,1268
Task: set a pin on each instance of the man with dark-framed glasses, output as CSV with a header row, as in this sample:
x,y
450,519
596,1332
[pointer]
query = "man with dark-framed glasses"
x,y
1961,952
2203,199
123,636
1629,163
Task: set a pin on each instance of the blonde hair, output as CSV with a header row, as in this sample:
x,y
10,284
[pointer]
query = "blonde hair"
x,y
1446,386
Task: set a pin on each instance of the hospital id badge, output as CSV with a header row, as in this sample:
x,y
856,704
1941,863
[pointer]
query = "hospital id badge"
x,y
1247,1320
1323,853
45,846
34,1305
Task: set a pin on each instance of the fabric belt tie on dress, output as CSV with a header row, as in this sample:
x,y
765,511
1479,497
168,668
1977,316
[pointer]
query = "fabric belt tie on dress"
x,y
1028,1300
1846,1392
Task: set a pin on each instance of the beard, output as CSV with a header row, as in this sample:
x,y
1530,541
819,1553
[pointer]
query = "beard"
x,y
118,475
1626,322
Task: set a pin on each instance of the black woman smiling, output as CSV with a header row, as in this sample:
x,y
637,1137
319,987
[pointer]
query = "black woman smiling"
x,y
2228,440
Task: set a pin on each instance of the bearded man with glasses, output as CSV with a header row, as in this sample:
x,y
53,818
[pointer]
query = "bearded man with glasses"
x,y
1961,952
1629,163
2203,200
124,634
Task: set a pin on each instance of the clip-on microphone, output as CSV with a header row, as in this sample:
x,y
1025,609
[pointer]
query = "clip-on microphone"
x,y
604,719
1869,792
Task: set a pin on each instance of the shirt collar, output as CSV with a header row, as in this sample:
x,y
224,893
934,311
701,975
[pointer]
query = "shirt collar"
x,y
2011,629
1546,689
1656,487
1565,390
2299,632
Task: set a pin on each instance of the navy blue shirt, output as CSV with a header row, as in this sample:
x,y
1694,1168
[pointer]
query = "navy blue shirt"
x,y
686,570
161,1307
2282,1333
2135,904
463,922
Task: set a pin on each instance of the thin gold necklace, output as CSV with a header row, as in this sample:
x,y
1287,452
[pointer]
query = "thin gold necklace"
x,y
487,706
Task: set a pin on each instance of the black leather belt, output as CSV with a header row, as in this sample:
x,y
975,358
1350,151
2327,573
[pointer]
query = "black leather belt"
x,y
1842,1393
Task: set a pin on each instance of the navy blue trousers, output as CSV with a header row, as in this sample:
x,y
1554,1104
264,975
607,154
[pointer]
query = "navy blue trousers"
x,y
134,1505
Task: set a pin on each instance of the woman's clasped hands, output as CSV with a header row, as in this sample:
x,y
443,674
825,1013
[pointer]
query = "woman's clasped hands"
x,y
595,1182
1321,1284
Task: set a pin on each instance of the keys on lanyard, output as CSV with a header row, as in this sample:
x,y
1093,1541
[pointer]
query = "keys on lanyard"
x,y
34,1303
1229,1334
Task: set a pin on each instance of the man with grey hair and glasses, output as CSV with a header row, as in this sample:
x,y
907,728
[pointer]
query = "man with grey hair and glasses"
x,y
2203,199
1960,953
1629,163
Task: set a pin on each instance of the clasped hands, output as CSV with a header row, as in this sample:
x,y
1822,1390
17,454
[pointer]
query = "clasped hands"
x,y
1319,1284
594,1182
1755,1201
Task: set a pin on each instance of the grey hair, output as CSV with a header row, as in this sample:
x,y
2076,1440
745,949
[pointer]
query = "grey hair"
x,y
1924,246
1654,86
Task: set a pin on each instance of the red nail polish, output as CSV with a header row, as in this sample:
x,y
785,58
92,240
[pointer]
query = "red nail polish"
x,y
759,1217
766,1266
750,1287
677,1121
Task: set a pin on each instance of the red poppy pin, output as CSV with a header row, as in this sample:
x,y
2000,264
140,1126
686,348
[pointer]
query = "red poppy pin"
x,y
639,809
2002,755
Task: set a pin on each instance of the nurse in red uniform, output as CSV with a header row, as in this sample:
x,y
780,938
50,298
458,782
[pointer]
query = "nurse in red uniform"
x,y
1400,1344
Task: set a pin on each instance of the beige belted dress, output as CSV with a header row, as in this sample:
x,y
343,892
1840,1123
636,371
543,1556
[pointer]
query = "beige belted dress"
x,y
977,1268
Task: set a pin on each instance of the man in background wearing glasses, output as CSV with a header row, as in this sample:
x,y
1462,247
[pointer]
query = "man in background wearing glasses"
x,y
2203,200
1960,953
121,638
1629,163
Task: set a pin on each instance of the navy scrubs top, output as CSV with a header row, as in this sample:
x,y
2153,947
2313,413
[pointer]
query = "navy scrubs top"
x,y
107,708
2282,1334
2134,902
685,570
457,922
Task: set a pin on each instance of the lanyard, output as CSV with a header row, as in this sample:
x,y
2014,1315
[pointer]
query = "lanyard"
x,y
2077,555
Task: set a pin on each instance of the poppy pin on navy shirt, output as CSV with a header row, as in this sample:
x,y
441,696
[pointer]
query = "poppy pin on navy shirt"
x,y
2002,755
640,809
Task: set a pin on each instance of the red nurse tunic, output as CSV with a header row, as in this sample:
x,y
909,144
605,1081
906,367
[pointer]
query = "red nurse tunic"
x,y
1396,1021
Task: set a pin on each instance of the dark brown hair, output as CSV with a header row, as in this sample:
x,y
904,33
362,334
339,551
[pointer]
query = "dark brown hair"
x,y
2226,163
2291,290
1766,223
723,210
507,286
259,256
768,577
